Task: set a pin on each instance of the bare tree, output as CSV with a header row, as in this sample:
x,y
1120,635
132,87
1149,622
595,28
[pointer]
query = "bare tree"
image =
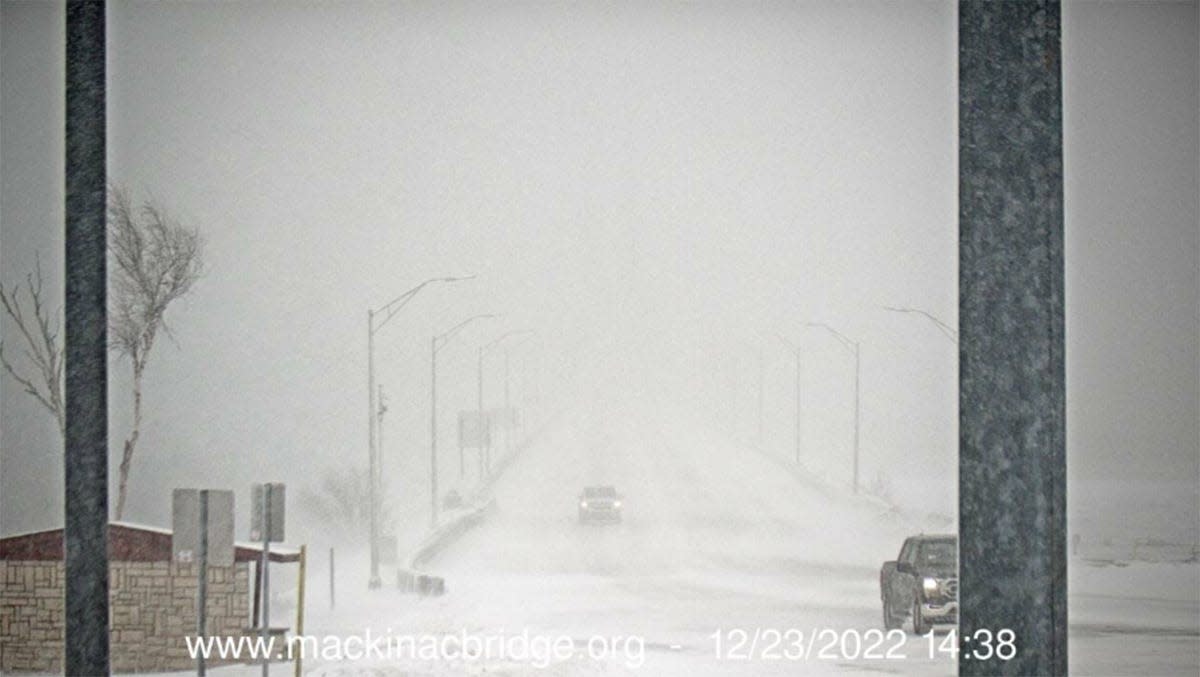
x,y
43,350
154,261
341,504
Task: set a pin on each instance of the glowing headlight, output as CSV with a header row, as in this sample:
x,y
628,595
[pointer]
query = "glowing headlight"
x,y
616,504
930,585
583,504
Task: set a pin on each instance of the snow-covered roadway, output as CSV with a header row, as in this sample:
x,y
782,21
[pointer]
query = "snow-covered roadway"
x,y
716,539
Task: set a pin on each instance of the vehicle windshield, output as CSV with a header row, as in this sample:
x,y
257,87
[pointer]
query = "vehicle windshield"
x,y
600,492
938,554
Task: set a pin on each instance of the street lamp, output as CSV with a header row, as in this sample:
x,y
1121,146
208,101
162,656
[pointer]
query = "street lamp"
x,y
485,460
437,343
853,347
795,349
948,331
387,311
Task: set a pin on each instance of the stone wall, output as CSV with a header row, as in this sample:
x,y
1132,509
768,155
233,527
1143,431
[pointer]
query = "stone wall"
x,y
153,607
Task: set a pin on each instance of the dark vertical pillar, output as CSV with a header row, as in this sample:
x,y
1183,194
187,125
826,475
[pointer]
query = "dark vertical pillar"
x,y
1012,464
86,450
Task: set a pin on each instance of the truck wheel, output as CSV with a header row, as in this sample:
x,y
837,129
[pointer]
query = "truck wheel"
x,y
889,618
920,627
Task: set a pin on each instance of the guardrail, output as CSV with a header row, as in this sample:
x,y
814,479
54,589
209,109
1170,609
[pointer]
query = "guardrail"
x,y
481,503
1133,550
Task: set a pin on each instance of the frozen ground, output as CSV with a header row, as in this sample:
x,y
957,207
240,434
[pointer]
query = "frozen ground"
x,y
716,539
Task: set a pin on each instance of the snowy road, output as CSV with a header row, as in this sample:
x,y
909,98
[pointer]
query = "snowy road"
x,y
716,539
719,539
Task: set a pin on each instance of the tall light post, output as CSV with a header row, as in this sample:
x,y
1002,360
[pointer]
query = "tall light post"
x,y
794,348
436,344
379,422
853,347
758,436
485,459
386,312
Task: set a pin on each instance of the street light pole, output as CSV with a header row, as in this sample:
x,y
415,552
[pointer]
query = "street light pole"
x,y
374,582
437,343
388,311
761,378
947,331
433,483
508,422
379,436
857,410
485,459
852,346
795,349
485,428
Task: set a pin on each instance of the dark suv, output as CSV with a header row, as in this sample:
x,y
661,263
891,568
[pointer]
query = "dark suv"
x,y
922,583
599,504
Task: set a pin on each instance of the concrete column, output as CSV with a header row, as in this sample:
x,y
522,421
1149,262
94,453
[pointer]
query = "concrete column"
x,y
1012,462
85,462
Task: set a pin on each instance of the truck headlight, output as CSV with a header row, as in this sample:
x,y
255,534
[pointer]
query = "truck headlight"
x,y
583,504
930,585
616,504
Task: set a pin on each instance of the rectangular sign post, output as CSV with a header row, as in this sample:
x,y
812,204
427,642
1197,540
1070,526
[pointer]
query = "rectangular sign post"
x,y
202,587
267,526
185,526
202,532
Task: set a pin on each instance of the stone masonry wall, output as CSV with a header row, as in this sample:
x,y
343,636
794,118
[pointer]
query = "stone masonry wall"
x,y
153,607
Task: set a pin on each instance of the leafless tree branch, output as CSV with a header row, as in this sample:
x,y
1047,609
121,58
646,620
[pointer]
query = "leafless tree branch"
x,y
42,348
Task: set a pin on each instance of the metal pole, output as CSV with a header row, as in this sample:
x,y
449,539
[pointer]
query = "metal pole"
x,y
202,582
300,606
1012,477
85,449
508,412
857,382
265,630
433,484
798,406
484,429
374,581
761,377
379,440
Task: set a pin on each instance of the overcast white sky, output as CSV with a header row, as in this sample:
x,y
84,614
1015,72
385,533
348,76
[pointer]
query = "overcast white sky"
x,y
655,189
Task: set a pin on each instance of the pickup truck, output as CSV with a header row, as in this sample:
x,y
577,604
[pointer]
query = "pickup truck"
x,y
922,583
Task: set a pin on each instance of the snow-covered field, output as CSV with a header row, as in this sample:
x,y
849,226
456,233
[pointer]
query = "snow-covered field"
x,y
717,540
